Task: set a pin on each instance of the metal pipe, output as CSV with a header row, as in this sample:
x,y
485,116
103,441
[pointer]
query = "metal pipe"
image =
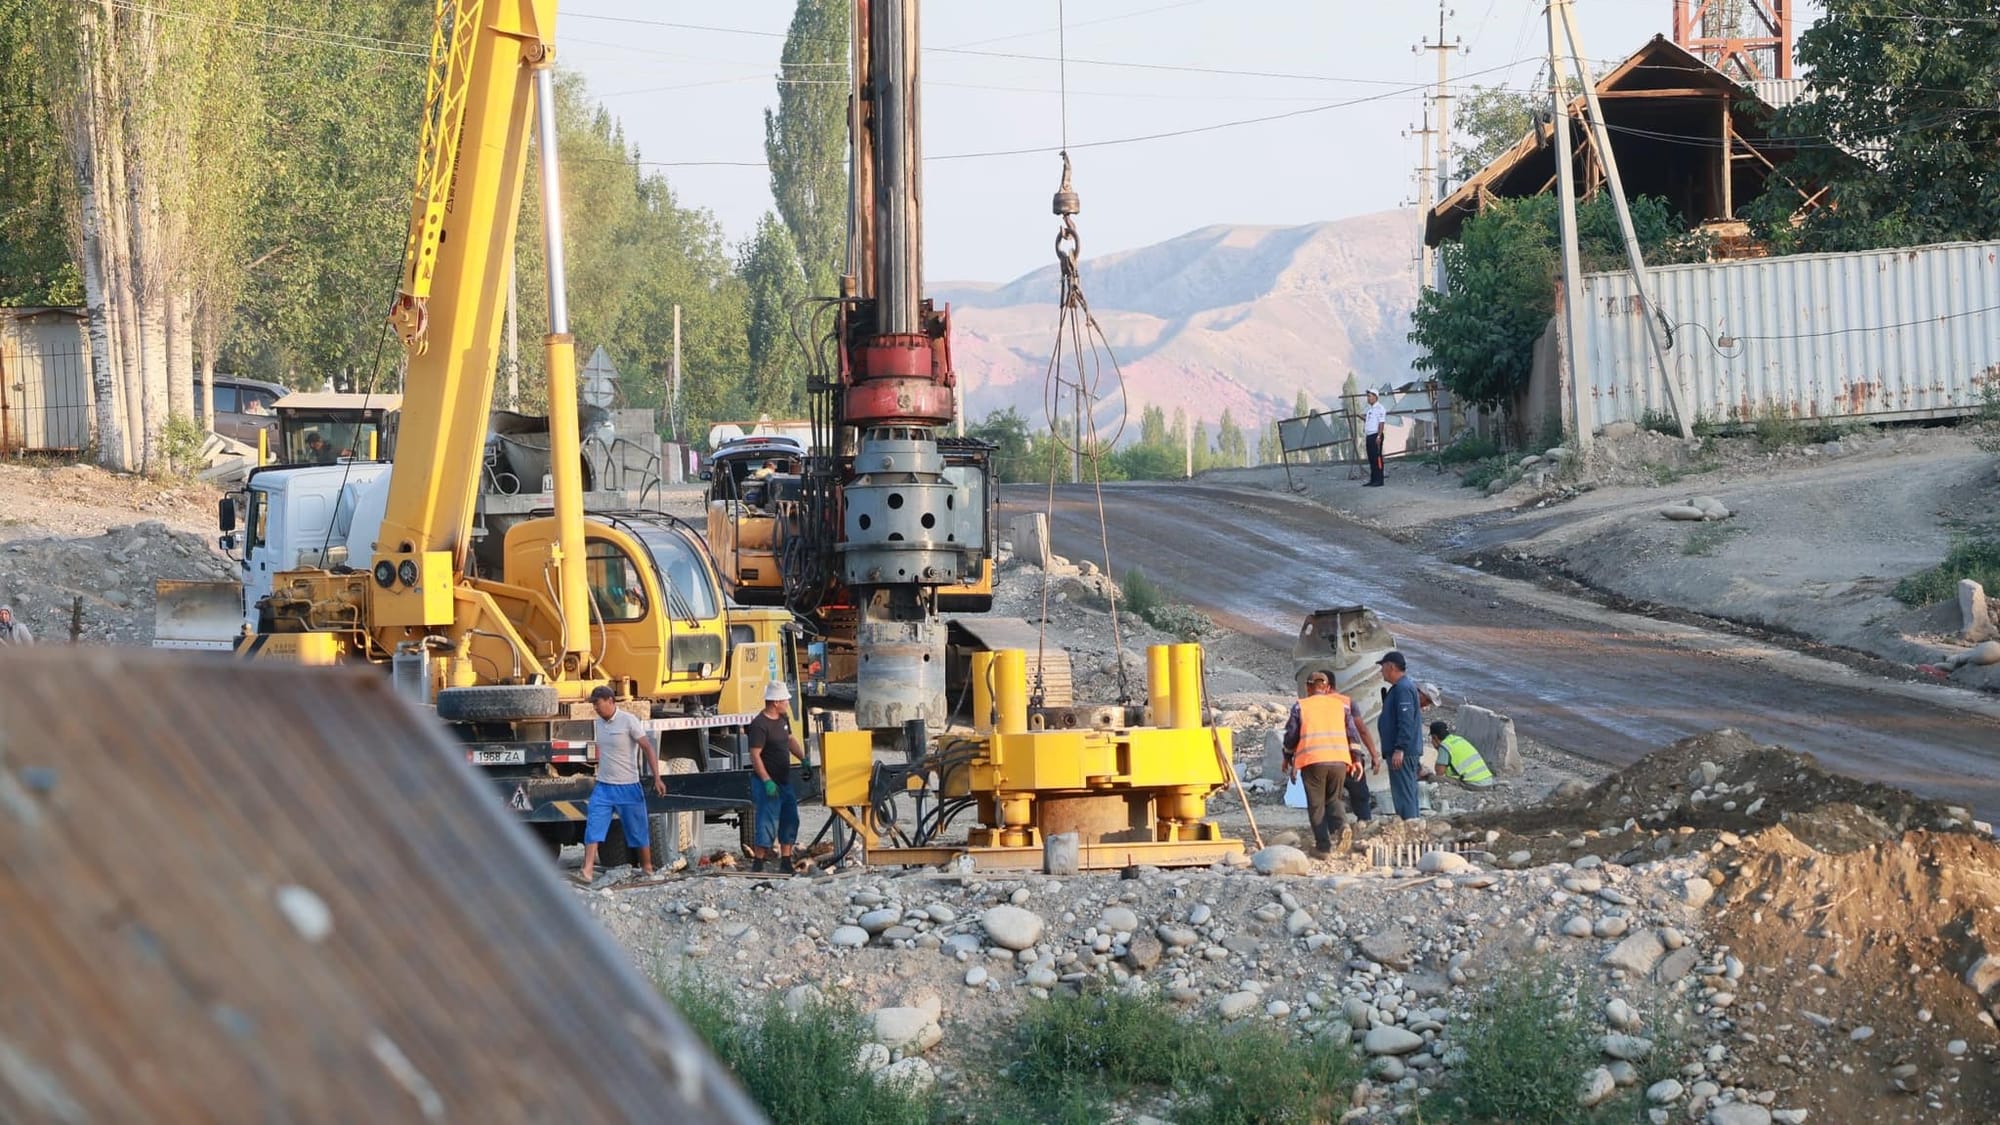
x,y
898,155
982,692
552,227
1159,686
565,446
1010,689
1184,685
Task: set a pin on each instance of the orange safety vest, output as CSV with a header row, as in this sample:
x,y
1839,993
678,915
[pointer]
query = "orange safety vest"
x,y
1322,730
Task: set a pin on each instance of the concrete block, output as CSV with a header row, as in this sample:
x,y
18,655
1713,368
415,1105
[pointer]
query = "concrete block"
x,y
1493,734
1975,617
1031,539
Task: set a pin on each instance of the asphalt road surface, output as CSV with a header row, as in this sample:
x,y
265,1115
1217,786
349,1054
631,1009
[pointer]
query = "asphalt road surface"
x,y
1600,684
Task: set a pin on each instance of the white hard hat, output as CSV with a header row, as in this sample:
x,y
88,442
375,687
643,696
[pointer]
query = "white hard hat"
x,y
777,692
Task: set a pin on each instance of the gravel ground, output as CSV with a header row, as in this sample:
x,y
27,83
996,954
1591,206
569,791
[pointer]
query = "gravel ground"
x,y
1720,901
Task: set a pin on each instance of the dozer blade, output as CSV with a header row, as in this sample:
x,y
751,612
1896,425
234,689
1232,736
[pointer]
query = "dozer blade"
x,y
229,886
197,615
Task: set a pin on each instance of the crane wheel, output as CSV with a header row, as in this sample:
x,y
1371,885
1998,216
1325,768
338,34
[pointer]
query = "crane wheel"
x,y
497,703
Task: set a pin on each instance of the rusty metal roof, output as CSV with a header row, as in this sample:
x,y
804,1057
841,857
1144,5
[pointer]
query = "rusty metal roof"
x,y
237,892
1667,80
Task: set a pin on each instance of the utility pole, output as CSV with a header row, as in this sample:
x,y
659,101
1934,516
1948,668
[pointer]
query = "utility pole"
x,y
1441,100
1426,255
674,392
1600,139
1574,364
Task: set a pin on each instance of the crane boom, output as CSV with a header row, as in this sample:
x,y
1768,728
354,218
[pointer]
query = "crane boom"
x,y
491,71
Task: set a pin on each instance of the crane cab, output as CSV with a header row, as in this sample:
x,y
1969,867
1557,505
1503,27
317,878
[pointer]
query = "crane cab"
x,y
657,615
750,511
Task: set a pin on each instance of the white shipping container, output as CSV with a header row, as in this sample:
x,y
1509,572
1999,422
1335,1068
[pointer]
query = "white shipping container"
x,y
1882,335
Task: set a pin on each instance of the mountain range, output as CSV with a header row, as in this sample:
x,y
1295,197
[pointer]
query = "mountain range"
x,y
1237,318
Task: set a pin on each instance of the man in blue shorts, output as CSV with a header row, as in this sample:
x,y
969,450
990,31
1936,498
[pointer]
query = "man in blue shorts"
x,y
620,736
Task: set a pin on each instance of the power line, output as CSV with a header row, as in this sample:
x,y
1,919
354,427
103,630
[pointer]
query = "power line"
x,y
1115,63
317,37
1115,141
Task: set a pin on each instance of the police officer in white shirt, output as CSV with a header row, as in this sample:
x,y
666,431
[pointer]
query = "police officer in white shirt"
x,y
1372,421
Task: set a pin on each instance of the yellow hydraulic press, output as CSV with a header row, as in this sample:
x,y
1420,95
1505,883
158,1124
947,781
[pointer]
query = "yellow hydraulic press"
x,y
1131,794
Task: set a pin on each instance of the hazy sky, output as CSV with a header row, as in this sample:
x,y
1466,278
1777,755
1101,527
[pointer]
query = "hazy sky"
x,y
690,79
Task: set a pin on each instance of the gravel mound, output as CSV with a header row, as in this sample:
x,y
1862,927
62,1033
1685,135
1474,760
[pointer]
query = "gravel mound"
x,y
113,573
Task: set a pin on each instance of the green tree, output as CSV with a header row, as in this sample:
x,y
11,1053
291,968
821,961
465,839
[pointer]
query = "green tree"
x,y
1011,439
37,263
805,140
1902,124
1153,426
1232,449
1270,450
338,137
1478,333
770,270
1485,122
633,254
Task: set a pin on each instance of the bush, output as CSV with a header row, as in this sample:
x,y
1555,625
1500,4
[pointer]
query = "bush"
x,y
798,1067
1139,593
1486,472
1776,428
1974,558
1468,449
1660,422
181,440
1085,1052
1530,1041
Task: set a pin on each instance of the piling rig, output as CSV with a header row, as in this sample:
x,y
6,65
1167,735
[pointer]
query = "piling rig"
x,y
887,532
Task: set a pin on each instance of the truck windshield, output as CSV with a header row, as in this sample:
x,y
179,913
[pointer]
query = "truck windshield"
x,y
689,588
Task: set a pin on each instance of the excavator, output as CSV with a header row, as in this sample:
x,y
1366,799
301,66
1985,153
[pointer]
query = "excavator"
x,y
375,563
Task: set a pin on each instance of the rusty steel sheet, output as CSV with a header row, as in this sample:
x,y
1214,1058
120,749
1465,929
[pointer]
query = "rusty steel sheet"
x,y
233,892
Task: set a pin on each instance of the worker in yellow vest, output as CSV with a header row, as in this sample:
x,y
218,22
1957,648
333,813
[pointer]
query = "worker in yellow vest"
x,y
1320,737
1459,759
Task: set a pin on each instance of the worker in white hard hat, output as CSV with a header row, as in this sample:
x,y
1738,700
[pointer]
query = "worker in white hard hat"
x,y
773,746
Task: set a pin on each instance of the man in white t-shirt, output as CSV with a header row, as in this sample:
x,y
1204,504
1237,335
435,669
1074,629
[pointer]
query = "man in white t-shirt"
x,y
1372,421
620,737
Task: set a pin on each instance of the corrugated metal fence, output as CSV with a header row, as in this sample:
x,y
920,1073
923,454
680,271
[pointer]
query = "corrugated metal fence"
x,y
44,381
1883,335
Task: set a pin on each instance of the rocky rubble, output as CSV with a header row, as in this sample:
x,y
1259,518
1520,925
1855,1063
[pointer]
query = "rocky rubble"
x,y
113,573
1678,949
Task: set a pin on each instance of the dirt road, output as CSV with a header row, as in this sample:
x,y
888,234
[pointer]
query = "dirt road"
x,y
1601,684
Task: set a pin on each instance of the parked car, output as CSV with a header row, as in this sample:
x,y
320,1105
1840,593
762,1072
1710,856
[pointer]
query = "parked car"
x,y
244,406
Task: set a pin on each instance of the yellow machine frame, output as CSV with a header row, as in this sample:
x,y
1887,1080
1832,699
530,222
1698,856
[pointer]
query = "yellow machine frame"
x,y
1133,795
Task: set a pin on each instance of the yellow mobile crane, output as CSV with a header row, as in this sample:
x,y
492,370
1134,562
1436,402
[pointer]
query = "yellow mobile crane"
x,y
507,660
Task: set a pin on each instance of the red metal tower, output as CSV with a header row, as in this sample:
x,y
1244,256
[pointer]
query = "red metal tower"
x,y
1746,39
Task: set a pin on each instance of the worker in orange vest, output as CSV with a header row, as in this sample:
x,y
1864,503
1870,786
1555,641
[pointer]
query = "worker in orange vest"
x,y
1320,736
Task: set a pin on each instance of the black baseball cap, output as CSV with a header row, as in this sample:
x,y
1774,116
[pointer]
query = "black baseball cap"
x,y
1394,656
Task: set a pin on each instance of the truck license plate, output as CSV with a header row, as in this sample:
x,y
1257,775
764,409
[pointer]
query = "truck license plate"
x,y
500,757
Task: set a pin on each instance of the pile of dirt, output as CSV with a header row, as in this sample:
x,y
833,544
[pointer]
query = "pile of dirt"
x,y
1877,973
1723,782
42,499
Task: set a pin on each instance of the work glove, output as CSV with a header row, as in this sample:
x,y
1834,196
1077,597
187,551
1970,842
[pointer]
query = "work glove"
x,y
770,788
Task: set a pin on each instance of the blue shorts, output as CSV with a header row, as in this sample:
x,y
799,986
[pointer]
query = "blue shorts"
x,y
629,802
777,815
